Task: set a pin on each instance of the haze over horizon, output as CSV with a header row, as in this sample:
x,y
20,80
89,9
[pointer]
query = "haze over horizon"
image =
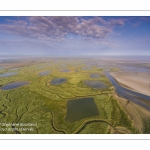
x,y
74,36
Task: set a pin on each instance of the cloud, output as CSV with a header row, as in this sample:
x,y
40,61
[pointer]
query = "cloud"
x,y
145,18
57,27
136,23
116,22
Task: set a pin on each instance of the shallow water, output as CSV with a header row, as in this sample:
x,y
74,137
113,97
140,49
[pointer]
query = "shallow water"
x,y
95,84
57,81
8,74
44,73
14,85
137,69
95,75
141,99
78,109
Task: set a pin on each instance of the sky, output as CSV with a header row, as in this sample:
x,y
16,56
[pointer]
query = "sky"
x,y
74,35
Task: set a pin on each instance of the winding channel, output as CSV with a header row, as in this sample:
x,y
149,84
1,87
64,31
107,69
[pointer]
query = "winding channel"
x,y
138,98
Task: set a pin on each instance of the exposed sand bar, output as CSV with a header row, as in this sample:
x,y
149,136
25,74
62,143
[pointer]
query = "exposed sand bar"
x,y
137,114
139,82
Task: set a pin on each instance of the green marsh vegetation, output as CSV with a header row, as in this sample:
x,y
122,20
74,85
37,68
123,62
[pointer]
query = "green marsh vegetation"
x,y
45,105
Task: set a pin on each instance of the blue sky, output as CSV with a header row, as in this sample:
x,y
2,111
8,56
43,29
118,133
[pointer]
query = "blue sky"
x,y
75,35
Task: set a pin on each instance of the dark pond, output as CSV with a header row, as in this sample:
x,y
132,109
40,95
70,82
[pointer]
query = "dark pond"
x,y
8,74
44,73
140,99
95,75
57,81
14,85
95,84
78,109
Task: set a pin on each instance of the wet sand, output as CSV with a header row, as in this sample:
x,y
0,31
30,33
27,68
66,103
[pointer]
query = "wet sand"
x,y
139,82
135,112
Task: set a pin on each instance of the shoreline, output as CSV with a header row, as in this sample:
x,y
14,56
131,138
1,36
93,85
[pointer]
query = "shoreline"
x,y
138,82
136,113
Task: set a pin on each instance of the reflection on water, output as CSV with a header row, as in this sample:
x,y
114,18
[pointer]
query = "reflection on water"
x,y
44,73
14,85
95,84
8,74
78,109
57,81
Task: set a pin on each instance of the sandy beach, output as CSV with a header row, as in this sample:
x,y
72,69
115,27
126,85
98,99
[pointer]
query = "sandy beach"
x,y
139,82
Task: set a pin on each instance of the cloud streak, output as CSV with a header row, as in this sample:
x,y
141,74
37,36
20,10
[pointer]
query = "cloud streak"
x,y
57,27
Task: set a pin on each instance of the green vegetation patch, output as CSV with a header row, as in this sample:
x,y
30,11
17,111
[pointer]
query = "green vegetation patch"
x,y
95,127
69,107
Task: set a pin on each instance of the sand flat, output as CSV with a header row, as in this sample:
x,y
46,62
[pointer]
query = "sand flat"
x,y
135,112
139,82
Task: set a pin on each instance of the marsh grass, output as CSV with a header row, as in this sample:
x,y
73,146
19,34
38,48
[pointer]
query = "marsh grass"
x,y
45,104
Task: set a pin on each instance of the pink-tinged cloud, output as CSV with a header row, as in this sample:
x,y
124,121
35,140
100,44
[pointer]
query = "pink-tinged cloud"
x,y
144,18
59,27
116,22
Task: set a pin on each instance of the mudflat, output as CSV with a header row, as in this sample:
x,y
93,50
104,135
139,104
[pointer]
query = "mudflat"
x,y
139,82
